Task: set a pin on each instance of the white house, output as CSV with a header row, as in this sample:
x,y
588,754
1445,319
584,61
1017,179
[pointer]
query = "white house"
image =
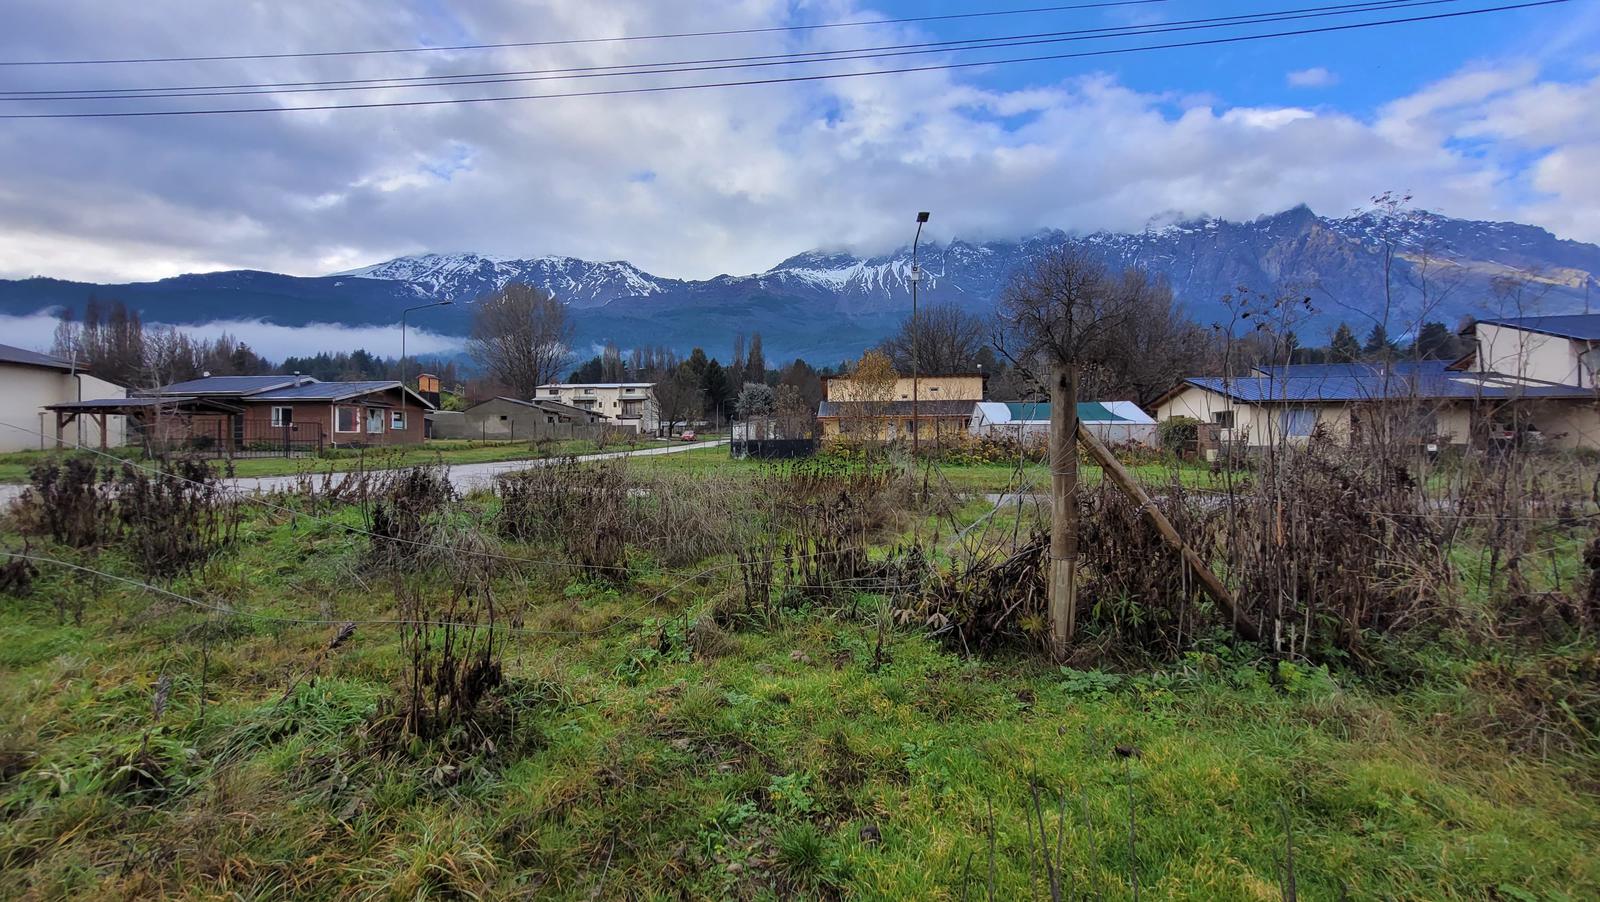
x,y
1113,422
31,381
626,403
1525,377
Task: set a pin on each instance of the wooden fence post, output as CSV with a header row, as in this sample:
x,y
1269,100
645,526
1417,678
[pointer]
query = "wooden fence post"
x,y
1063,508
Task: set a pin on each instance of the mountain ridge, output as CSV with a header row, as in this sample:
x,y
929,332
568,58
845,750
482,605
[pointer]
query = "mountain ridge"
x,y
831,303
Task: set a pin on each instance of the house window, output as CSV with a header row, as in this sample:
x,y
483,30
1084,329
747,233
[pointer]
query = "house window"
x,y
554,392
397,419
933,388
282,416
374,420
1223,418
503,418
1297,421
344,420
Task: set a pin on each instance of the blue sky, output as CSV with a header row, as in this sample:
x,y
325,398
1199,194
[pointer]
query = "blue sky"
x,y
1371,66
1493,117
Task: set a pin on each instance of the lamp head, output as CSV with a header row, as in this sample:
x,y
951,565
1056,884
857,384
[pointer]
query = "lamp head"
x,y
923,216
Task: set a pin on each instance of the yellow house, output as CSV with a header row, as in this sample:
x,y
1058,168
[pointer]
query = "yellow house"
x,y
943,406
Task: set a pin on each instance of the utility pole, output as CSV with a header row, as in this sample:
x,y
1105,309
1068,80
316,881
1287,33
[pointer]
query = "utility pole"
x,y
916,392
1063,507
403,385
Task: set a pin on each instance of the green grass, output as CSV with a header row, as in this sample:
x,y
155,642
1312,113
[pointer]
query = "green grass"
x,y
14,466
964,477
779,763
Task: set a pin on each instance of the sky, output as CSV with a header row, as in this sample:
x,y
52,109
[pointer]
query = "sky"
x,y
1493,117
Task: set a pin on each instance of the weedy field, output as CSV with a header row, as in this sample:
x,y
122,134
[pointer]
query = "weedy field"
x,y
821,680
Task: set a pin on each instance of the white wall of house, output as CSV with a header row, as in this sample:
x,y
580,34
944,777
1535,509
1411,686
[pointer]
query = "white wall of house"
x,y
1531,355
27,389
1256,425
624,403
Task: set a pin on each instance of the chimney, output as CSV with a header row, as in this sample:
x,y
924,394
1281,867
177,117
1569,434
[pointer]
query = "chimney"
x,y
428,387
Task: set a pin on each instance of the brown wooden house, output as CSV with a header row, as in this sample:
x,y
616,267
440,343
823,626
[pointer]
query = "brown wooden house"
x,y
288,411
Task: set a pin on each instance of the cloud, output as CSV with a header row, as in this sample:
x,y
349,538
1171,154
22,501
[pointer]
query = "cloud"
x,y
738,178
275,342
1315,77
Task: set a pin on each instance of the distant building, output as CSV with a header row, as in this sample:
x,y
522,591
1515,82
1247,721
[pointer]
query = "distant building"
x,y
242,412
1113,422
1526,378
944,407
511,419
627,403
34,381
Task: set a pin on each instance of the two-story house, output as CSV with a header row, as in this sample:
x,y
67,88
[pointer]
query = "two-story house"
x,y
625,403
944,406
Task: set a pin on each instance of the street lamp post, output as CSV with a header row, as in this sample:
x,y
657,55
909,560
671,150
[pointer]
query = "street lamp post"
x,y
403,313
916,276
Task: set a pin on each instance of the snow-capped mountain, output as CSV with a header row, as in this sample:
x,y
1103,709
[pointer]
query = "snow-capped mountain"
x,y
829,304
463,277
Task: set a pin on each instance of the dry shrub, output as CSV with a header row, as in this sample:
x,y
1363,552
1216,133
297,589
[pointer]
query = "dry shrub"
x,y
1330,545
17,576
173,520
404,522
67,502
985,603
450,643
581,509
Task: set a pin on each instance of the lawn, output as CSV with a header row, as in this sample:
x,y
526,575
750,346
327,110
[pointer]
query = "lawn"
x,y
963,477
14,466
151,747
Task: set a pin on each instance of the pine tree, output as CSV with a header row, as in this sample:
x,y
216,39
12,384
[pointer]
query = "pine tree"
x,y
1344,348
1378,346
755,366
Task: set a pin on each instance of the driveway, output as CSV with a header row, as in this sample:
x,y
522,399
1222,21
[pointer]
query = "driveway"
x,y
465,477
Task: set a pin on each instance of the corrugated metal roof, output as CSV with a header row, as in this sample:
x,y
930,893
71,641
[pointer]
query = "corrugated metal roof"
x,y
1376,368
231,385
898,408
24,357
1422,387
324,391
1580,326
1005,412
1039,411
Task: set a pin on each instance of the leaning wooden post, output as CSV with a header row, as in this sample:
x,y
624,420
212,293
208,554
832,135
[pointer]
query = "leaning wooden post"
x,y
1201,570
1063,508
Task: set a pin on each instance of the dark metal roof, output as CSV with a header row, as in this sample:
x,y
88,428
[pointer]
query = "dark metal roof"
x,y
139,405
232,385
1374,368
332,391
24,357
1579,326
898,408
1421,387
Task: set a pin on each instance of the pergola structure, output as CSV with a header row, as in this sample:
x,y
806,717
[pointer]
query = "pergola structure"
x,y
135,409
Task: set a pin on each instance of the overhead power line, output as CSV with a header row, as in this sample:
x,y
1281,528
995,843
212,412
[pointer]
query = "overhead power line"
x,y
718,63
726,32
791,79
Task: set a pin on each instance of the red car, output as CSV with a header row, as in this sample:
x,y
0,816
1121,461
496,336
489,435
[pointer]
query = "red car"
x,y
687,436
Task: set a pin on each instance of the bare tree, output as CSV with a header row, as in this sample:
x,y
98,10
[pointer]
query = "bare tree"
x,y
944,339
677,397
1061,311
521,336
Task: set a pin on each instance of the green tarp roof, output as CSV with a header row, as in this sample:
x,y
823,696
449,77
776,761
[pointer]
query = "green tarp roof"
x,y
1093,411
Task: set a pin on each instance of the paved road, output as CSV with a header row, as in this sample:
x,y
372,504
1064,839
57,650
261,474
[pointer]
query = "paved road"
x,y
465,477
